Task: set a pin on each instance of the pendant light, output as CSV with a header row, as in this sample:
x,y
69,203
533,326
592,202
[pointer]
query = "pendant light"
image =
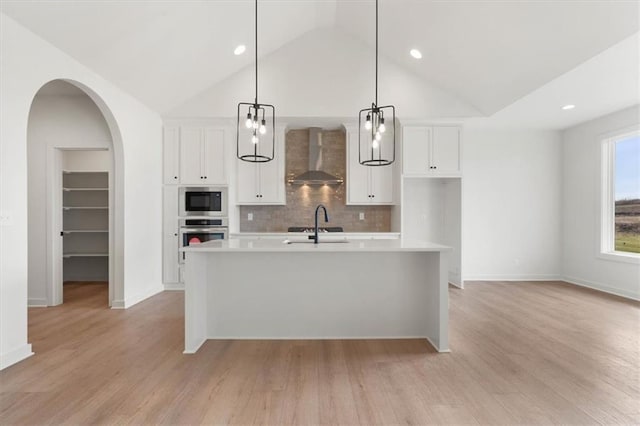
x,y
255,129
377,137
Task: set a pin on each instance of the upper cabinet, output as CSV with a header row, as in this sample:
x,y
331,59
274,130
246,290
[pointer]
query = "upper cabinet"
x,y
171,155
366,184
431,151
262,183
194,156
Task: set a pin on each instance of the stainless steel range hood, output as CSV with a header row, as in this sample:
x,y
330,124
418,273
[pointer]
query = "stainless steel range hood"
x,y
315,175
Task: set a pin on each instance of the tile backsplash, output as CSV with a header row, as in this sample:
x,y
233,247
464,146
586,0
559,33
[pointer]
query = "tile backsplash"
x,y
302,200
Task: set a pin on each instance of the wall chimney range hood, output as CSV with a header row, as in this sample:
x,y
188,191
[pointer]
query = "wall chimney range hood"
x,y
315,175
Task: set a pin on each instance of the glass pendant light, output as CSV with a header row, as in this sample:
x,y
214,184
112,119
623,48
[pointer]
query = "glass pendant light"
x,y
376,141
256,137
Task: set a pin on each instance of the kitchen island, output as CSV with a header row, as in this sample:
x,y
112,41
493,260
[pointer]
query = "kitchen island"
x,y
337,289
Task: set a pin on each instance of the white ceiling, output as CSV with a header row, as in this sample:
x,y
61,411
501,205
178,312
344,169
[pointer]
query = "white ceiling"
x,y
489,54
605,83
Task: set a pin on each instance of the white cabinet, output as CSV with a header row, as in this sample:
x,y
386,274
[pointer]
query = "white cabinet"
x,y
431,151
366,184
262,183
213,158
170,235
194,156
171,155
202,159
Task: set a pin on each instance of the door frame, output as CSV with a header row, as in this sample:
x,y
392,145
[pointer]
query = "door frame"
x,y
54,215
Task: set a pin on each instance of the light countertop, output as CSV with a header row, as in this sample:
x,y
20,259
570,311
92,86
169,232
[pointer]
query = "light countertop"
x,y
348,235
303,244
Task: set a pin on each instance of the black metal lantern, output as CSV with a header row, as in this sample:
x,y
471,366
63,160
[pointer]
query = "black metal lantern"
x,y
377,128
255,121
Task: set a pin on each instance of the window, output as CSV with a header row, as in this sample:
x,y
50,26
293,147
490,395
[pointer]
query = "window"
x,y
621,195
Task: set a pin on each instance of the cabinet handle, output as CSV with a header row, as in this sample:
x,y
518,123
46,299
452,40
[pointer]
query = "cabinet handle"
x,y
175,177
205,177
175,235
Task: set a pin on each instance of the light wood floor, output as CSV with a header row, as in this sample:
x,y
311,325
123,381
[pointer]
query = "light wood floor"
x,y
522,353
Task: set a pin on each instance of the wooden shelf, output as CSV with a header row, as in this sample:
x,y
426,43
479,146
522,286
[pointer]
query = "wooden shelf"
x,y
85,189
69,255
68,172
71,231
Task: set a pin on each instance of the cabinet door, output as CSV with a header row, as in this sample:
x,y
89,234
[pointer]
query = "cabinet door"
x,y
381,184
171,155
171,239
247,182
416,142
445,150
358,185
191,156
271,182
170,259
214,160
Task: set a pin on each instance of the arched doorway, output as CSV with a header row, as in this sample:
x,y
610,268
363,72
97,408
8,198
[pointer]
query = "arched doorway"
x,y
74,228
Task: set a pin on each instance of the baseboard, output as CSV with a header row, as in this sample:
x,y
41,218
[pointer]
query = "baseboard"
x,y
601,287
15,356
443,351
117,304
37,303
173,286
143,296
513,278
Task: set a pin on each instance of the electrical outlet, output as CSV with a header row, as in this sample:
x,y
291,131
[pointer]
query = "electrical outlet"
x,y
250,216
361,215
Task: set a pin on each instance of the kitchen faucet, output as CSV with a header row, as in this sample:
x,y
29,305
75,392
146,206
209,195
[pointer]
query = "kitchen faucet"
x,y
314,237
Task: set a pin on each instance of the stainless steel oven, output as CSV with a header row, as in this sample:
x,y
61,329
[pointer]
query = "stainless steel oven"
x,y
201,230
203,201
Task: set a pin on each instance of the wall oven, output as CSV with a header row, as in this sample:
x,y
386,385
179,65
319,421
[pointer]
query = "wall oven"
x,y
198,231
203,201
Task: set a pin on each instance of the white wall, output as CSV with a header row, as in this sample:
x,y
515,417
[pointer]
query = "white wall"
x,y
512,197
29,62
432,211
343,84
581,166
54,121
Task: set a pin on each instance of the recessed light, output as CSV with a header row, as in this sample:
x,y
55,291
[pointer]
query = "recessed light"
x,y
239,50
415,53
568,107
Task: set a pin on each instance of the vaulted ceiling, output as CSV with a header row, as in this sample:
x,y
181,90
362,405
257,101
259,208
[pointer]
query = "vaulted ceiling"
x,y
487,54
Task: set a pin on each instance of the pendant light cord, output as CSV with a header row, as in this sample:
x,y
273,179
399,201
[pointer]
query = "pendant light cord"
x,y
256,52
376,53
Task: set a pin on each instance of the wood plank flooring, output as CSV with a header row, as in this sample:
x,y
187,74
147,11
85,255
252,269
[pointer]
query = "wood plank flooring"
x,y
522,353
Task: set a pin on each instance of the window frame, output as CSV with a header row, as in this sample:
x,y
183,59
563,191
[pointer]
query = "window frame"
x,y
606,247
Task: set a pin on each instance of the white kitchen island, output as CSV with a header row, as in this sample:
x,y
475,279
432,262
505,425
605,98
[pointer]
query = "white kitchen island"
x,y
360,289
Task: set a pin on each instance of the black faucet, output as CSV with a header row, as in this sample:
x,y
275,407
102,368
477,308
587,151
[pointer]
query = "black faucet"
x,y
314,237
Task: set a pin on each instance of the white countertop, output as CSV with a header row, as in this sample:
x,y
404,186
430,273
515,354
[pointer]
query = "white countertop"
x,y
303,244
348,235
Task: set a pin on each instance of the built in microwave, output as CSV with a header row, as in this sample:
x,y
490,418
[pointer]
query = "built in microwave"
x,y
203,201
